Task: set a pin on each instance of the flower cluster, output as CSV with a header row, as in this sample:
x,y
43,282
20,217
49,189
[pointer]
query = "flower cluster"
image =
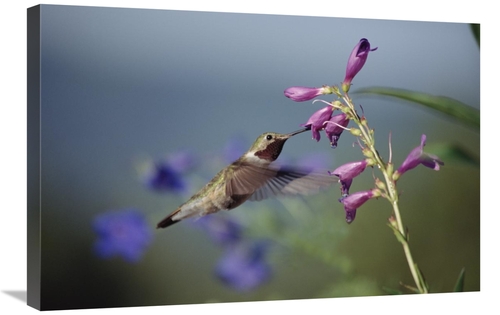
x,y
334,125
324,120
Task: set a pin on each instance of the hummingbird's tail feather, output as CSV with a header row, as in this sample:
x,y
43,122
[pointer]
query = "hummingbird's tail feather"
x,y
168,221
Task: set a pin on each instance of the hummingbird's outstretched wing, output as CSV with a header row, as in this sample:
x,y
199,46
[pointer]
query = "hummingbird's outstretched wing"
x,y
294,181
273,181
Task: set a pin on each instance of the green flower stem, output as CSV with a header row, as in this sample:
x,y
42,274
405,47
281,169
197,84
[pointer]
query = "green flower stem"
x,y
391,194
417,275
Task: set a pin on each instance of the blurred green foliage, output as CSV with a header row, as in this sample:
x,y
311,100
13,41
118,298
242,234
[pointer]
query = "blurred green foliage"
x,y
450,107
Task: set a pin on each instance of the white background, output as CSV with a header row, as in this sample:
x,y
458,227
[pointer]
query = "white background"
x,y
13,154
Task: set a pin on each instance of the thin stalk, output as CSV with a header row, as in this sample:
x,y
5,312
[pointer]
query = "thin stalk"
x,y
417,277
392,197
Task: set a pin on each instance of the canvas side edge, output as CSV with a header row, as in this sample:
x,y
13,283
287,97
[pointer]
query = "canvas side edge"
x,y
33,157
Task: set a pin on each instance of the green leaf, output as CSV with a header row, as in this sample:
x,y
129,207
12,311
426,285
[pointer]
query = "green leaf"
x,y
453,153
421,278
445,105
459,286
476,31
400,237
411,288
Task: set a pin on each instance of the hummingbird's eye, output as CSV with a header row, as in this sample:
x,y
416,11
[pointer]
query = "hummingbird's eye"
x,y
269,137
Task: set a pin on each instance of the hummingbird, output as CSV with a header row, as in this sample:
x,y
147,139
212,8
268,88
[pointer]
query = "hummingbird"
x,y
251,177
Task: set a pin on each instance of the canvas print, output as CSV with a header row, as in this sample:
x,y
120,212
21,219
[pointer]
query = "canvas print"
x,y
182,157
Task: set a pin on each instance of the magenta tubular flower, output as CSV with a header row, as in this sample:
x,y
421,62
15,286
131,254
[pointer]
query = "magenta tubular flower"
x,y
347,172
356,61
350,170
333,128
317,121
356,200
418,156
302,93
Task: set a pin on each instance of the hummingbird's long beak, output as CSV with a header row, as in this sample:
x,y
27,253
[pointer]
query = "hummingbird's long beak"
x,y
299,131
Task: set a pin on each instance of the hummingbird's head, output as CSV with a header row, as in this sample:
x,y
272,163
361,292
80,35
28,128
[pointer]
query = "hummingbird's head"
x,y
268,145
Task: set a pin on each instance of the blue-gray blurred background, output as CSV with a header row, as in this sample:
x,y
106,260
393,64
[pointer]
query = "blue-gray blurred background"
x,y
123,87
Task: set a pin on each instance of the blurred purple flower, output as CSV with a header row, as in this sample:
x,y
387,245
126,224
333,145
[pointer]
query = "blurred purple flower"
x,y
243,267
418,156
122,233
222,230
163,177
302,93
356,61
166,175
356,200
333,128
317,120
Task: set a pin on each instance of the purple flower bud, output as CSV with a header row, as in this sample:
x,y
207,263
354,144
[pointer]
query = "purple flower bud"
x,y
418,156
302,93
356,61
333,128
317,121
356,200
